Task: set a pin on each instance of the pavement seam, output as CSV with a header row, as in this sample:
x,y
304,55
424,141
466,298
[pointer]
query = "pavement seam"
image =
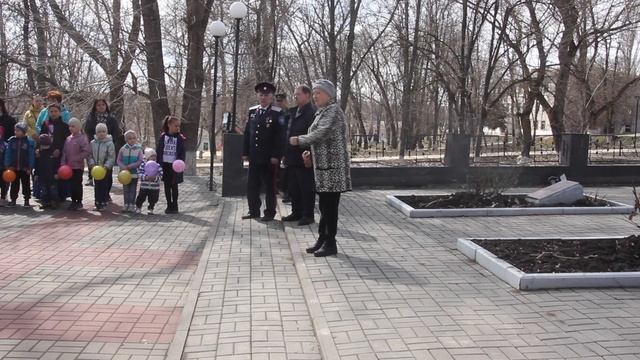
x,y
179,341
328,348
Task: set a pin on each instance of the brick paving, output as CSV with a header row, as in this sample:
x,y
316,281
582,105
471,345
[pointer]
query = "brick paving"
x,y
400,290
207,285
92,285
250,304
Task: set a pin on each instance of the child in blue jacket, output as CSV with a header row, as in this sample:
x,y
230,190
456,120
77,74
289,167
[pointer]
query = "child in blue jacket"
x,y
20,156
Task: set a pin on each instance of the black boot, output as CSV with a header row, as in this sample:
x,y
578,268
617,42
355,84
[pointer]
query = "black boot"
x,y
328,248
316,246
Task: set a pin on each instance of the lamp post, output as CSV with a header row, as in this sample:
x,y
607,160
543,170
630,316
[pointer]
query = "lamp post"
x,y
218,30
635,129
233,174
237,10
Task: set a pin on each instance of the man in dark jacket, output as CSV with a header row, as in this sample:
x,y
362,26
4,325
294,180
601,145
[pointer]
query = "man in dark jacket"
x,y
281,176
300,178
263,150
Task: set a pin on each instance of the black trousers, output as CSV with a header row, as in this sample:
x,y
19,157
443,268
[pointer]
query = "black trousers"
x,y
284,184
171,194
303,199
261,175
75,183
153,196
328,202
48,191
102,188
170,186
24,178
4,187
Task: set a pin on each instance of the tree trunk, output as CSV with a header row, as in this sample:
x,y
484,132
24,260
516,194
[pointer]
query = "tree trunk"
x,y
155,63
566,52
41,46
4,65
392,134
26,25
347,65
435,98
409,58
332,43
357,110
263,41
194,78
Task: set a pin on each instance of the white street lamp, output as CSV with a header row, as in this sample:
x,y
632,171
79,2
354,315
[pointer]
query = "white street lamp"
x,y
219,30
237,10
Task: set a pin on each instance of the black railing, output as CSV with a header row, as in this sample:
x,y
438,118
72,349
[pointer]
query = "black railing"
x,y
612,148
428,150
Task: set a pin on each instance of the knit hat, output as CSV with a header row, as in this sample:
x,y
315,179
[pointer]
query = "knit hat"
x,y
22,127
149,152
326,86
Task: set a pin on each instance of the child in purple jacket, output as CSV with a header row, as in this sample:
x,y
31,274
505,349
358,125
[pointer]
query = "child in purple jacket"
x,y
76,150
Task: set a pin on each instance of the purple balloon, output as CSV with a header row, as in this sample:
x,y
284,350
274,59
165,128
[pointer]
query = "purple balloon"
x,y
151,168
178,166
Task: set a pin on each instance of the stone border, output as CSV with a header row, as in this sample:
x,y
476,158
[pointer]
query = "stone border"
x,y
524,281
179,341
615,208
328,348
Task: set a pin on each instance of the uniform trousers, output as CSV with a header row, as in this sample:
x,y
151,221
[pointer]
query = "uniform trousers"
x,y
259,176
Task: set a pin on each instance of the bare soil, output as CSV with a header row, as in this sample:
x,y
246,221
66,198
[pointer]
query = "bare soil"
x,y
469,200
568,256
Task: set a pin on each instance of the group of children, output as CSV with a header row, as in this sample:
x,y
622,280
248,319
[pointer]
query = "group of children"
x,y
61,144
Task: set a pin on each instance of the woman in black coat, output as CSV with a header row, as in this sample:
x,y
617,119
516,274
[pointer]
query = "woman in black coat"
x,y
7,121
100,114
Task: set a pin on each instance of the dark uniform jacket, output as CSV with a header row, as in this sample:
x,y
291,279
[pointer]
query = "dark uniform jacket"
x,y
298,125
262,134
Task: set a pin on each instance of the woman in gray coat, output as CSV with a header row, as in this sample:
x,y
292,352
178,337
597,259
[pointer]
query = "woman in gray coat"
x,y
327,137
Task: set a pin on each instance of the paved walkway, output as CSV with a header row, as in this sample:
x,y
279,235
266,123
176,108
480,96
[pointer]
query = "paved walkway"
x,y
97,285
207,285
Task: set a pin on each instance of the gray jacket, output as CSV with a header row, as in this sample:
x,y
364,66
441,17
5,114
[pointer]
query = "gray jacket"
x,y
103,152
327,137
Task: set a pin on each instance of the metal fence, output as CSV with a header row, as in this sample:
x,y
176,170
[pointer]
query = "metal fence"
x,y
494,150
371,151
613,149
506,150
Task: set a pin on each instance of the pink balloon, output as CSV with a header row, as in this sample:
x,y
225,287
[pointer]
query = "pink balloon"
x,y
178,166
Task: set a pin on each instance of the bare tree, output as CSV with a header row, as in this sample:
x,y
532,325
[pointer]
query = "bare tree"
x,y
115,70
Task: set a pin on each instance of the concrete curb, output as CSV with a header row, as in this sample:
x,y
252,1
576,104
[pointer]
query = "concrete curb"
x,y
524,281
615,208
191,301
328,349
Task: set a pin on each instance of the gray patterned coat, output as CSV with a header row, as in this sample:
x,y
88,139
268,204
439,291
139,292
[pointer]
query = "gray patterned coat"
x,y
327,137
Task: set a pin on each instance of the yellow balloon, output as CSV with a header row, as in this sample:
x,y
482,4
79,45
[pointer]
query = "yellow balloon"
x,y
98,172
124,177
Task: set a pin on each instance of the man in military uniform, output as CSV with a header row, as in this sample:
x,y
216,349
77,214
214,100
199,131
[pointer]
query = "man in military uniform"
x,y
263,149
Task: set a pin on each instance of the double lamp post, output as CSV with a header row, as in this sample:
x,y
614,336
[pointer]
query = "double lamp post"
x,y
237,11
